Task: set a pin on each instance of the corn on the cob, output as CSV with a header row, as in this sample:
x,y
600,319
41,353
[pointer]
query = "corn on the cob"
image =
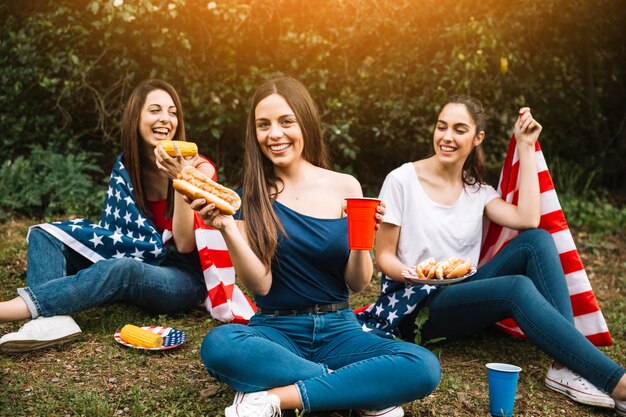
x,y
140,337
186,148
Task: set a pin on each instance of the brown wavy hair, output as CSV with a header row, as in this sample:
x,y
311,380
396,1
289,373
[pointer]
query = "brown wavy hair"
x,y
261,185
131,138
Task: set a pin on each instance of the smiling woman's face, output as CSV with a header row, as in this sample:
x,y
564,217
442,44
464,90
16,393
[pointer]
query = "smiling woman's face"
x,y
277,130
455,133
158,120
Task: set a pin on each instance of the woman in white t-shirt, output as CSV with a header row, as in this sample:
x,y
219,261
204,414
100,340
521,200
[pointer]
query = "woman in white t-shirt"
x,y
435,208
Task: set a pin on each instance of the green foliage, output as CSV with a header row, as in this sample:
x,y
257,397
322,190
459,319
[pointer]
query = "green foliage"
x,y
51,183
586,208
377,68
594,214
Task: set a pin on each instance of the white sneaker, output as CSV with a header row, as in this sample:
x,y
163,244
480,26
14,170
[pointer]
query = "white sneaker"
x,y
255,404
577,388
40,333
620,407
239,396
395,411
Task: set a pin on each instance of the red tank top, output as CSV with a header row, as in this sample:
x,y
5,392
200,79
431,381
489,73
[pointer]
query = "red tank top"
x,y
158,208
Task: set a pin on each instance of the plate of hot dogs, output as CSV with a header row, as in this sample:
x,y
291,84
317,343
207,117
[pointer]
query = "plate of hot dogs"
x,y
443,272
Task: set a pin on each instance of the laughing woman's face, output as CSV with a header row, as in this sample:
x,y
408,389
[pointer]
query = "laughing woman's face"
x,y
158,120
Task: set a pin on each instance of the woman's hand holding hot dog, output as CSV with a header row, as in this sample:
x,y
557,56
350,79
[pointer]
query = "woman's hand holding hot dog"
x,y
211,215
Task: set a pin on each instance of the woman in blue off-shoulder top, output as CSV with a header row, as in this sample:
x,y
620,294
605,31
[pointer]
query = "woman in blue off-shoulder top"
x,y
304,348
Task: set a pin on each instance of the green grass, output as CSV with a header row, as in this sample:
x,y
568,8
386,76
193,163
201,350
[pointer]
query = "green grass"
x,y
95,376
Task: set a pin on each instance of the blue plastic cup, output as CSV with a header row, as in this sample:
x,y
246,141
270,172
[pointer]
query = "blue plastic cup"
x,y
502,379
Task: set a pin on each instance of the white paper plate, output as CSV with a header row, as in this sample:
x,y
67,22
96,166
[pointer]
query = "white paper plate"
x,y
411,275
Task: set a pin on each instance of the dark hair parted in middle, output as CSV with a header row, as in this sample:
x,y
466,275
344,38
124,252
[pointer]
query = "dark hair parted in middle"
x,y
261,185
474,166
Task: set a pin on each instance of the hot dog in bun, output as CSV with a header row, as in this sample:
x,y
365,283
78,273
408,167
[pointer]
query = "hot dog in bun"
x,y
194,184
425,268
451,267
458,267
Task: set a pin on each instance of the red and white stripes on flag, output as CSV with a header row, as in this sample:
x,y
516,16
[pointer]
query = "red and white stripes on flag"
x,y
587,315
225,300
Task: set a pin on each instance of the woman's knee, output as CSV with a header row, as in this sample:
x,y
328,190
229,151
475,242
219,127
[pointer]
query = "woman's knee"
x,y
217,345
537,238
39,239
425,370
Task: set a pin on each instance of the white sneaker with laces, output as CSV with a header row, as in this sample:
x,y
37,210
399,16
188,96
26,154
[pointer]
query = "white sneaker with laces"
x,y
40,333
577,388
620,407
239,396
254,404
395,411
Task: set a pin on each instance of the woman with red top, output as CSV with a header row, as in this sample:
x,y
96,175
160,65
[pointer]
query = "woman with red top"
x,y
143,249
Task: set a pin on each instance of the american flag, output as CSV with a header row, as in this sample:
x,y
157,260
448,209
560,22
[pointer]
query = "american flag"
x,y
398,299
225,301
123,231
588,317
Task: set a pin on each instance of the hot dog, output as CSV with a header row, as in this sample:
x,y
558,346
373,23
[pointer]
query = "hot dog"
x,y
194,184
424,268
458,268
451,267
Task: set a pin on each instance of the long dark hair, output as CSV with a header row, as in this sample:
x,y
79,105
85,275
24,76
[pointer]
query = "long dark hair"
x,y
261,185
131,138
474,167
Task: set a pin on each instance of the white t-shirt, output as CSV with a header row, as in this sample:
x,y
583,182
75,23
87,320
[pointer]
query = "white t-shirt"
x,y
431,229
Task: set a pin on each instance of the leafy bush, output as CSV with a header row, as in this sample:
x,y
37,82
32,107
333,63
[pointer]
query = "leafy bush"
x,y
587,209
594,213
378,69
49,183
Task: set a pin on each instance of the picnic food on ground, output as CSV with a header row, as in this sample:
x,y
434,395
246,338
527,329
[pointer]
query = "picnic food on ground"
x,y
195,184
451,267
140,337
186,148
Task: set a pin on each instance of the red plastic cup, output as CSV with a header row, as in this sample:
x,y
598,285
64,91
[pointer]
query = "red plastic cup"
x,y
361,222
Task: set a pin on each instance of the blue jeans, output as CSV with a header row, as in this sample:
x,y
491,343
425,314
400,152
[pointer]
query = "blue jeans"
x,y
368,372
525,281
60,281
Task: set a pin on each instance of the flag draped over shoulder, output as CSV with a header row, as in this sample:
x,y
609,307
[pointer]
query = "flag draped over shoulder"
x,y
123,231
398,299
588,317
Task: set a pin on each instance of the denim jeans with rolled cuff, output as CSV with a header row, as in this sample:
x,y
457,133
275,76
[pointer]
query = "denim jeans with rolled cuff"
x,y
60,281
368,372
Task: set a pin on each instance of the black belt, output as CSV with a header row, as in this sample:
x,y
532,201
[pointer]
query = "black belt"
x,y
315,309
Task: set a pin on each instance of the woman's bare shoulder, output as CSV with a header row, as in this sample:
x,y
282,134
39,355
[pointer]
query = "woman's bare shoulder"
x,y
345,184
